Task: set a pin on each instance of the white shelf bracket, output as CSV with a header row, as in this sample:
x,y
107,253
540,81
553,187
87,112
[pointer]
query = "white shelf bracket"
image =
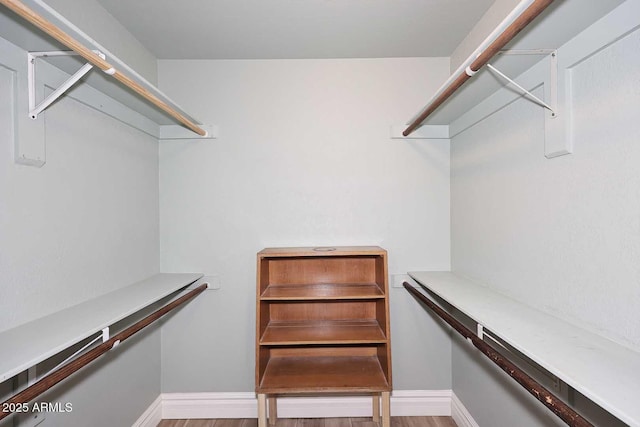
x,y
480,331
105,334
36,109
552,106
557,94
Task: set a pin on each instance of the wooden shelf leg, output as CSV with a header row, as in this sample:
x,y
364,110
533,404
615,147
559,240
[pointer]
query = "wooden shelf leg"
x,y
273,411
262,410
386,409
376,408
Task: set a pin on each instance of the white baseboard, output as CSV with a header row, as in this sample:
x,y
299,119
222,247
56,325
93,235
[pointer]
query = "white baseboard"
x,y
244,405
209,405
152,416
419,403
460,414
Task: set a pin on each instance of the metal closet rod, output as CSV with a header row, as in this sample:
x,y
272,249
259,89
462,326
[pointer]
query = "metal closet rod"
x,y
548,399
52,30
525,12
30,393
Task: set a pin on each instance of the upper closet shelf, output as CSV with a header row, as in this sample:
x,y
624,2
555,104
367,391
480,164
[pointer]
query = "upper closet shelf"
x,y
530,34
600,369
31,343
35,27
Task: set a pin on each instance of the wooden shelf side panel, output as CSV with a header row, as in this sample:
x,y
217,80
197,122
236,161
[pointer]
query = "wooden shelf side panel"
x,y
384,357
381,273
262,360
263,275
382,315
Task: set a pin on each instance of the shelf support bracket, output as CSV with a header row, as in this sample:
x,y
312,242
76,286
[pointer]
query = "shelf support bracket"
x,y
558,140
35,110
480,331
523,90
553,80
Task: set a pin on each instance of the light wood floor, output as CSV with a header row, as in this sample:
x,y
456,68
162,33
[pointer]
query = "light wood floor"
x,y
315,422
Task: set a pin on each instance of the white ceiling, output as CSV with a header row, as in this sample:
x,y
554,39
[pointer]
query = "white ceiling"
x,y
276,29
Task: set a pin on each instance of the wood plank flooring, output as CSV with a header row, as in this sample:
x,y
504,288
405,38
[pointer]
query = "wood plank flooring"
x,y
315,422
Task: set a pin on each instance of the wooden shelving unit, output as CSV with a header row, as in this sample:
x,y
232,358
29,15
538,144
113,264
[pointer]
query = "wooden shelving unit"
x,y
322,325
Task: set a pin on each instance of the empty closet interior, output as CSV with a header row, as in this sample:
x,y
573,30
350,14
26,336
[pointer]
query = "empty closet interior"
x,y
461,176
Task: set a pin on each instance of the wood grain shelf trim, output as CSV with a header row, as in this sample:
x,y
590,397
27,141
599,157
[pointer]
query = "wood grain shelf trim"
x,y
327,291
338,251
323,332
295,375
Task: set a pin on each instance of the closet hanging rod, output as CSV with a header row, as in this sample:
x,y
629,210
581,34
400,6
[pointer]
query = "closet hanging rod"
x,y
525,12
555,405
67,370
58,34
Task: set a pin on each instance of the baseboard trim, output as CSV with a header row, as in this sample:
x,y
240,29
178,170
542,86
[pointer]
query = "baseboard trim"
x,y
244,405
418,403
209,405
460,414
152,416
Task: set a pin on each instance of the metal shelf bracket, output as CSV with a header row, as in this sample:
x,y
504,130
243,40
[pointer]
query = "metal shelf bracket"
x,y
480,331
552,105
36,109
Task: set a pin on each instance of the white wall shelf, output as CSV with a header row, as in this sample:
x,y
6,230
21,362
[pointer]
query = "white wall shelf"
x,y
602,370
29,344
557,25
562,21
20,33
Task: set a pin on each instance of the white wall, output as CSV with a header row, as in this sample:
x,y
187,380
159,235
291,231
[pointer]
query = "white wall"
x,y
84,224
562,235
304,158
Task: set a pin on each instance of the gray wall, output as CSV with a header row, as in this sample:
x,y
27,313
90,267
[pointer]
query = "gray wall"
x,y
562,235
304,158
84,224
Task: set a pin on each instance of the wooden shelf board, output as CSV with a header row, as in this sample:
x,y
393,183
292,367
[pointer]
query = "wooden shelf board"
x,y
323,332
295,375
31,343
322,292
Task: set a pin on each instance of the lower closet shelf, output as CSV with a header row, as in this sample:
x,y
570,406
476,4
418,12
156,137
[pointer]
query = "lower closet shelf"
x,y
328,374
56,332
602,370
